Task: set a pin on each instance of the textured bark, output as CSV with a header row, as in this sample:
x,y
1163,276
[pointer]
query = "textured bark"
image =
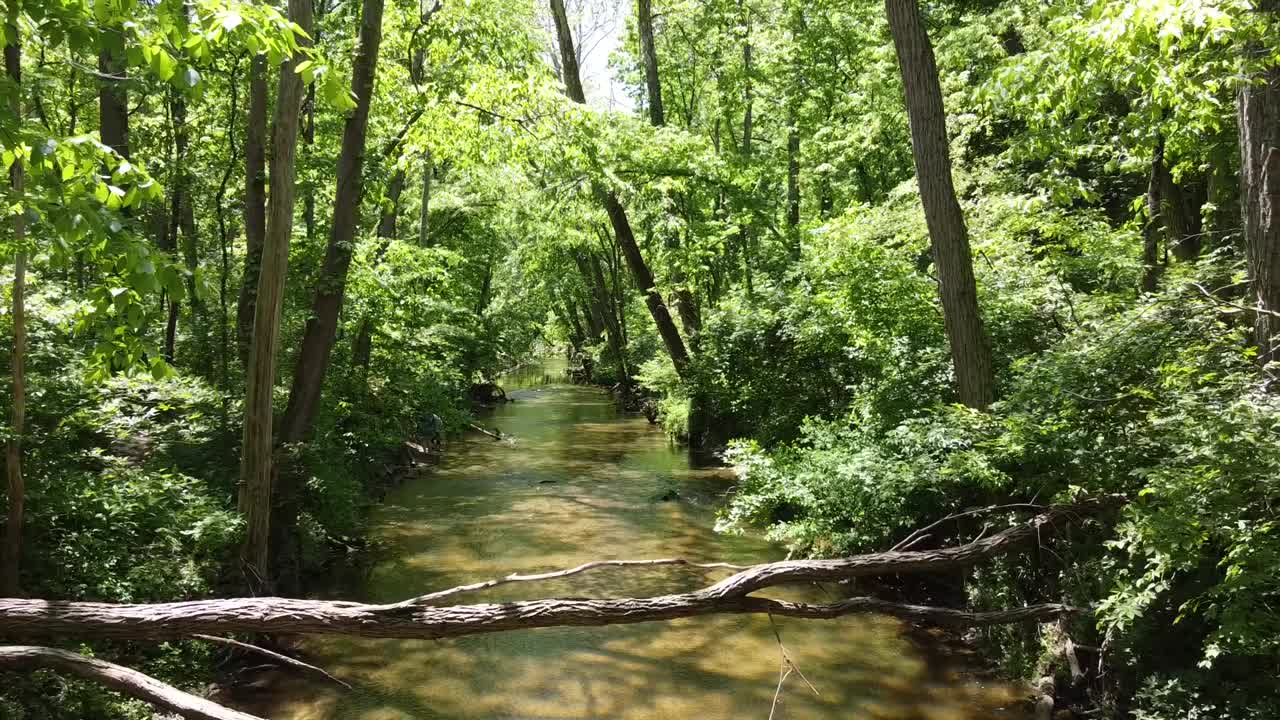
x,y
1181,219
113,105
970,352
1152,230
322,327
11,561
622,231
1259,122
644,23
255,201
121,679
793,178
424,211
260,375
421,618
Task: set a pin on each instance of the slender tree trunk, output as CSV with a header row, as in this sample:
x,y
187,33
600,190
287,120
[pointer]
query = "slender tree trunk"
x,y
1151,231
970,353
1181,219
256,464
255,201
321,330
309,142
225,233
10,565
644,22
424,212
793,179
113,106
748,121
322,327
1259,122
640,272
589,266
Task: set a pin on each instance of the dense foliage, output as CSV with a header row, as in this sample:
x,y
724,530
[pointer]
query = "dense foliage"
x,y
757,190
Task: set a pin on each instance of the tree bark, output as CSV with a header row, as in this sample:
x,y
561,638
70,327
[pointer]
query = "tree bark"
x,y
793,179
970,352
118,678
113,106
1259,121
321,330
256,455
1155,213
622,231
589,266
255,201
322,326
11,563
644,23
423,616
424,212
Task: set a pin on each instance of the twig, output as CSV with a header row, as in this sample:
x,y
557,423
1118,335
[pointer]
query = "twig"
x,y
515,577
278,657
913,538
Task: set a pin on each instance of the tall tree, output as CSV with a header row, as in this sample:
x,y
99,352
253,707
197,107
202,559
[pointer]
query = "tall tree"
x,y
623,233
10,564
1155,214
255,201
1259,122
970,352
322,327
113,98
260,375
644,23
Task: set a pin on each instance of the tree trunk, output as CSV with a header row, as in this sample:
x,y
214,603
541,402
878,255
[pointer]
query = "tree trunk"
x,y
362,346
793,179
424,212
321,330
1181,219
640,272
427,617
10,564
589,266
255,201
1151,231
644,22
970,353
256,456
1259,122
113,106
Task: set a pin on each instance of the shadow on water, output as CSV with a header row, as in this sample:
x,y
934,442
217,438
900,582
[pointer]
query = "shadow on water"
x,y
580,482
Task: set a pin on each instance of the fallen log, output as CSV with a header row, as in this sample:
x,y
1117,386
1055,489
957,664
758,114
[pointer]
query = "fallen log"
x,y
419,618
116,677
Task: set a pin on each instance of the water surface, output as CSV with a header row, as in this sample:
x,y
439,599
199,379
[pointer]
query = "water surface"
x,y
578,481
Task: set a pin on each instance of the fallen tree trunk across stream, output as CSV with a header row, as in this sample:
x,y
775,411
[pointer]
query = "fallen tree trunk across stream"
x,y
425,617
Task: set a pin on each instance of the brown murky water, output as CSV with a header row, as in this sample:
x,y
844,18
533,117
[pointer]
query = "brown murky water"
x,y
581,482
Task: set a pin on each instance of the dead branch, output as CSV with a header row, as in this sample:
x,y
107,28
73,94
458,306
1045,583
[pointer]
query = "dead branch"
x,y
121,679
19,617
514,577
278,657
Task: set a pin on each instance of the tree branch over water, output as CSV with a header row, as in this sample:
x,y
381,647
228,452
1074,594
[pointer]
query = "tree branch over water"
x,y
419,617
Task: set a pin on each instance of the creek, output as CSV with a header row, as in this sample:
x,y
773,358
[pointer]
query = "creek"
x,y
577,481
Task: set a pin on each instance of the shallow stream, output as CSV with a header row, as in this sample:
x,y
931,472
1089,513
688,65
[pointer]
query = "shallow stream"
x,y
579,481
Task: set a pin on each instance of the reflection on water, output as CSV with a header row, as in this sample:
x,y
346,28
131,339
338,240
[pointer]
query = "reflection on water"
x,y
578,483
